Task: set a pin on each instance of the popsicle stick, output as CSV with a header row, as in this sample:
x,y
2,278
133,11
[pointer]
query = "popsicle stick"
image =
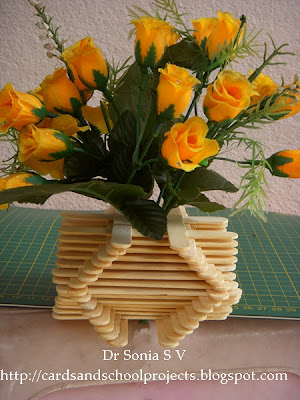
x,y
162,338
109,273
122,339
102,319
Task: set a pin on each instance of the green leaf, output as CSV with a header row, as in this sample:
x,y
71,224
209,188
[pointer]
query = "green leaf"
x,y
207,206
147,217
113,193
205,180
184,54
200,201
84,166
92,161
115,138
127,93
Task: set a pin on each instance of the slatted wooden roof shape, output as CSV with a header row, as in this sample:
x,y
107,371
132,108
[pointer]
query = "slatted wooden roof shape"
x,y
108,273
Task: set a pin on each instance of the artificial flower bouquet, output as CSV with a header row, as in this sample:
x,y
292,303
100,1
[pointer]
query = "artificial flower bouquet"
x,y
147,130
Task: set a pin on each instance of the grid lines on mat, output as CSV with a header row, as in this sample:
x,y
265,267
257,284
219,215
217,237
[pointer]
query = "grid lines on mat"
x,y
28,239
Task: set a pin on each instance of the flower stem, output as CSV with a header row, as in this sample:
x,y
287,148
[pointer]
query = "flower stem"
x,y
110,98
139,162
176,187
139,133
48,22
105,117
249,162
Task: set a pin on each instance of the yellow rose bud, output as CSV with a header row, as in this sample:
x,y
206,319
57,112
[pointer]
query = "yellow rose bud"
x,y
57,90
292,101
264,87
186,144
42,148
174,90
64,123
285,163
95,117
87,64
153,35
18,180
203,27
14,181
229,95
222,34
18,109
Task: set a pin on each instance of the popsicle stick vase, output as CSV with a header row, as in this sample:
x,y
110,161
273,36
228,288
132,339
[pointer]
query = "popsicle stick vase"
x,y
108,273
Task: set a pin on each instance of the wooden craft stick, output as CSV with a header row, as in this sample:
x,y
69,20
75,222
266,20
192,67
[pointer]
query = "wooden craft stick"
x,y
178,328
162,338
122,339
178,239
185,321
112,334
109,327
102,319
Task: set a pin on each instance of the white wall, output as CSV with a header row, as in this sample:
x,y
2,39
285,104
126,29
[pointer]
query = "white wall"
x,y
23,63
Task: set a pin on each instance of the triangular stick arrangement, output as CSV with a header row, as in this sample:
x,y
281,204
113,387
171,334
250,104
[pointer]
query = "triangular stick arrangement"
x,y
108,273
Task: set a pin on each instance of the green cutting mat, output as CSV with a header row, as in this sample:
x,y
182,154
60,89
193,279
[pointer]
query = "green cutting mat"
x,y
267,270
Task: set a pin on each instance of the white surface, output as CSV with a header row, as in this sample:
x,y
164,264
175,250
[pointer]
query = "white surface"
x,y
32,340
23,63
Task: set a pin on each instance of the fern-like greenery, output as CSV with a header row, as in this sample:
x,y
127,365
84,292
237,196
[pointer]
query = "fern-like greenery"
x,y
116,71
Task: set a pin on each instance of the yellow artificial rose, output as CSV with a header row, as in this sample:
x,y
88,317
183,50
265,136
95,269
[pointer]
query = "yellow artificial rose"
x,y
174,89
57,91
42,149
95,117
291,100
153,35
18,109
186,144
87,64
265,87
229,95
223,33
285,163
14,181
64,123
203,27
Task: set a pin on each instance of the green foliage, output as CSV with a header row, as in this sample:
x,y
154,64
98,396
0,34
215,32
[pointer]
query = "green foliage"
x,y
114,71
147,217
206,180
49,26
144,214
253,182
127,94
186,54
